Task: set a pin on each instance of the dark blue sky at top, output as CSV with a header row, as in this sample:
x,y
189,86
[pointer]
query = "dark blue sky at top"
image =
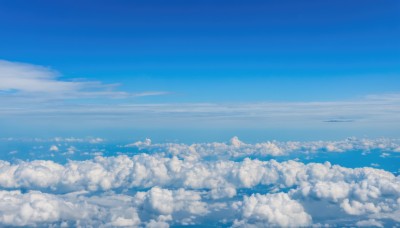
x,y
213,50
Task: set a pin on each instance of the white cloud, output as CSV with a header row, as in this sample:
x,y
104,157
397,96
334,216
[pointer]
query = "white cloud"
x,y
37,92
369,223
363,112
140,144
36,208
54,148
31,78
23,82
182,185
236,148
178,203
104,173
271,210
153,207
96,140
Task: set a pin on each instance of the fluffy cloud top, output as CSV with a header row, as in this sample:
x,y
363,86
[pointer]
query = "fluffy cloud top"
x,y
237,148
272,209
200,184
160,190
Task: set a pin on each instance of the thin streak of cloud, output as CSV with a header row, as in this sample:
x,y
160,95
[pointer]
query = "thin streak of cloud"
x,y
150,93
361,112
35,92
26,82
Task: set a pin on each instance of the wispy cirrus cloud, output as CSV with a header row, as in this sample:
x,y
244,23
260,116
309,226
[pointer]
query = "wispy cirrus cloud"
x,y
28,81
361,111
33,91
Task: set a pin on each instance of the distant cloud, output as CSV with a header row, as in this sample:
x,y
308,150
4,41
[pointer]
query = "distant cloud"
x,y
150,93
369,223
239,149
338,121
92,140
265,115
54,148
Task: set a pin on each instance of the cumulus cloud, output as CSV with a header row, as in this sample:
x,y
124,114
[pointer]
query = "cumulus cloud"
x,y
96,140
369,223
54,148
104,173
271,210
180,205
153,207
36,208
190,191
236,148
206,183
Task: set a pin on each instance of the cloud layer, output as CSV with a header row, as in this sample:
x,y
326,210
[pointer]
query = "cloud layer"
x,y
218,184
161,189
236,148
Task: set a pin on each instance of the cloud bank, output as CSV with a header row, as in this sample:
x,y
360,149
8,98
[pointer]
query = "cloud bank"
x,y
236,148
159,189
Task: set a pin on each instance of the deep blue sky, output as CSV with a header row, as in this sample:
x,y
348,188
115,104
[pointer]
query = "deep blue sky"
x,y
278,47
213,51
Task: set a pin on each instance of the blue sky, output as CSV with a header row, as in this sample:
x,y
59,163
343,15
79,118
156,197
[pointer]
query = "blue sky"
x,y
131,113
191,53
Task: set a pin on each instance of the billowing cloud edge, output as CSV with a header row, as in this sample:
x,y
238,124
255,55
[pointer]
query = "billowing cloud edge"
x,y
158,190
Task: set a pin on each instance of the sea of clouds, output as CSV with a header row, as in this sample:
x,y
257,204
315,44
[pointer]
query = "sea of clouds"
x,y
232,184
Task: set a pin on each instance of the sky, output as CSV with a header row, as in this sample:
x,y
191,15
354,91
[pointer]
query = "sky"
x,y
130,113
200,69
